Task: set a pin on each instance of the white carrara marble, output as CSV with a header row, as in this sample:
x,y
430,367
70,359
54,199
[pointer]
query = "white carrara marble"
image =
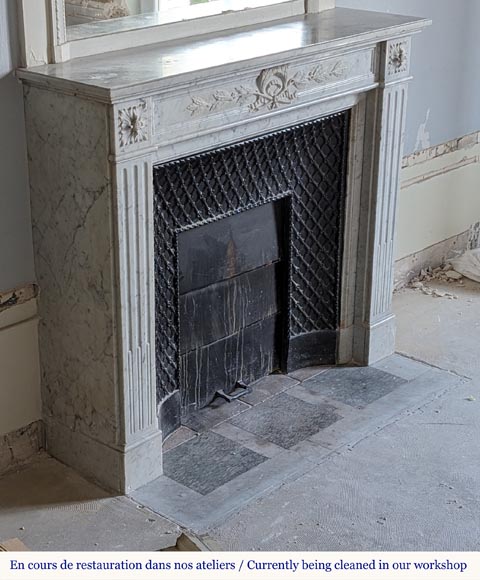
x,y
97,125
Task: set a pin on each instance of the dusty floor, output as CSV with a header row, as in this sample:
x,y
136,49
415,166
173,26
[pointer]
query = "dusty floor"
x,y
49,507
412,483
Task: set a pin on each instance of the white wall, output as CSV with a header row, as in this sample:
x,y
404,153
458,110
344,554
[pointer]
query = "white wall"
x,y
439,199
20,401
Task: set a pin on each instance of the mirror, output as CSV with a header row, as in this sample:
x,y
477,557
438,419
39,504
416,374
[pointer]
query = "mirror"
x,y
85,18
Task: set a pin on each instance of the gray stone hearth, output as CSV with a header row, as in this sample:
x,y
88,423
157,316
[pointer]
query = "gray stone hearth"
x,y
216,469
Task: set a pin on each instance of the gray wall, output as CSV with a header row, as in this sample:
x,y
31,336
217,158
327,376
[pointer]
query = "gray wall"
x,y
446,88
16,259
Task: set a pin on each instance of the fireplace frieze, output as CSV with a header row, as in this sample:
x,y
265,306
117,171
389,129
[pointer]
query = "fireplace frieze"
x,y
257,94
274,87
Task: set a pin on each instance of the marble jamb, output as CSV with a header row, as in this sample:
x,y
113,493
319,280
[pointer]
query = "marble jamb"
x,y
71,212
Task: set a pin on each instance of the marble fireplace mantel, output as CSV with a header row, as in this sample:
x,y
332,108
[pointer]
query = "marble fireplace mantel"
x,y
96,127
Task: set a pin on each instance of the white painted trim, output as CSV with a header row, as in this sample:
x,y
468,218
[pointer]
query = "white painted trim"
x,y
440,171
44,33
35,21
176,30
18,305
438,195
315,6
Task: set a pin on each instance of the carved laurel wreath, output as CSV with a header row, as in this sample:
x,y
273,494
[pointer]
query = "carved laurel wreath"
x,y
273,88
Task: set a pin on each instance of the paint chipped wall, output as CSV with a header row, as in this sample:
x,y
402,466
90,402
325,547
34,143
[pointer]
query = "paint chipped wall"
x,y
443,98
439,196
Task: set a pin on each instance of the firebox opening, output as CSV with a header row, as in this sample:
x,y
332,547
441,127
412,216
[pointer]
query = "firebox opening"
x,y
248,262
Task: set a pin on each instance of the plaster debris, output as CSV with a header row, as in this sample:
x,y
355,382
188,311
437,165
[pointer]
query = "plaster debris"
x,y
453,275
432,291
444,273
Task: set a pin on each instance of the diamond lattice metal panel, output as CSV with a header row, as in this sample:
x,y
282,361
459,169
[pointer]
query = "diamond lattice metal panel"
x,y
306,162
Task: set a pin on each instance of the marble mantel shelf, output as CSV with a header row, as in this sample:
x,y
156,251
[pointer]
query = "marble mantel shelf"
x,y
137,72
97,127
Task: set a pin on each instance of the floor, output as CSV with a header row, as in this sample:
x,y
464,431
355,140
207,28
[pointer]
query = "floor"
x,y
386,458
413,484
51,508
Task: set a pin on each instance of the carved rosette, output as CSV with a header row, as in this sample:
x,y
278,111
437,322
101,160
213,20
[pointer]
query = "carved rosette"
x,y
133,124
397,58
272,89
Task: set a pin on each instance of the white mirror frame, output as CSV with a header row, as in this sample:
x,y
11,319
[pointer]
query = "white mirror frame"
x,y
45,33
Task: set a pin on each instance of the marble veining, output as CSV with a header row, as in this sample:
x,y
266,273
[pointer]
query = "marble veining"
x,y
71,209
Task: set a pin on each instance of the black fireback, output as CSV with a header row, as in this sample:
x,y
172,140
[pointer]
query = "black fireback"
x,y
233,283
305,165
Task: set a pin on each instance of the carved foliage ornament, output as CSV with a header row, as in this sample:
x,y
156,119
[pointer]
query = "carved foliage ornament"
x,y
273,88
132,124
397,58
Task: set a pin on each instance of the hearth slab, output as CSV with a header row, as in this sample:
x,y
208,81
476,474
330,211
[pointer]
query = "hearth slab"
x,y
403,367
249,440
218,411
354,386
268,387
209,461
200,512
358,424
181,435
286,420
308,372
